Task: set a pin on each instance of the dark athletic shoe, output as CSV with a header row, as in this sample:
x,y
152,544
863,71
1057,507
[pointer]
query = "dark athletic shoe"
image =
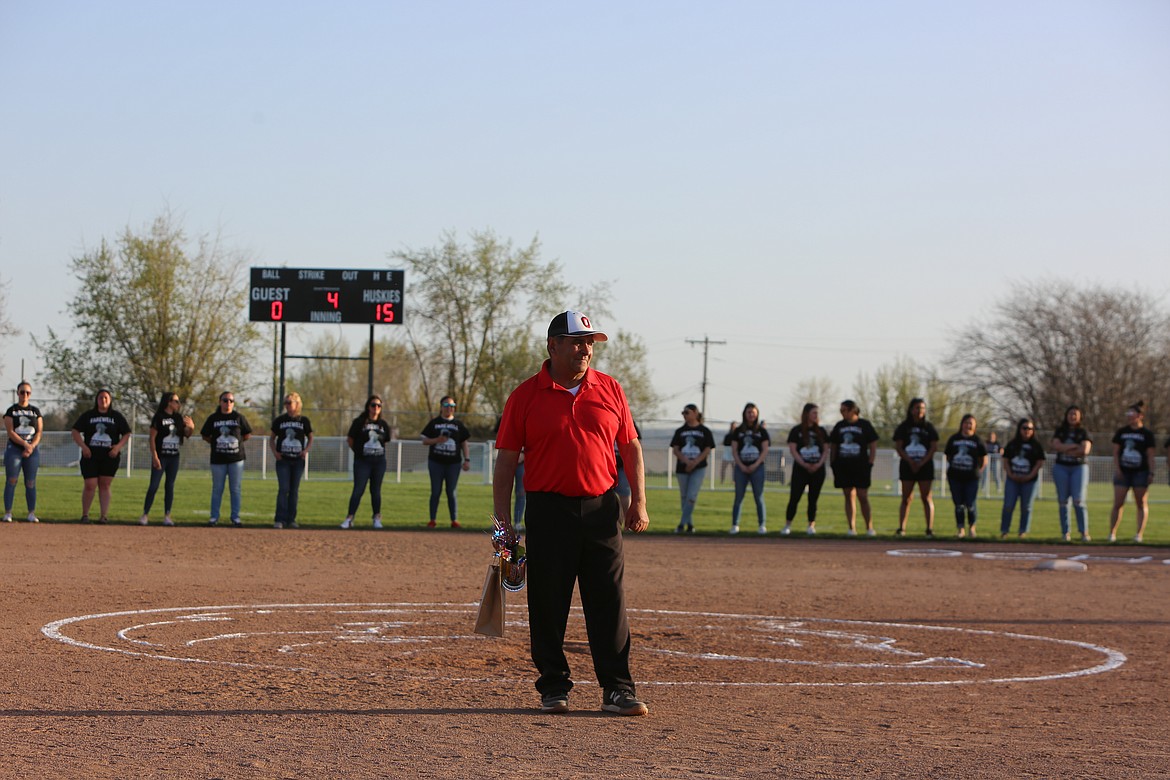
x,y
554,703
623,703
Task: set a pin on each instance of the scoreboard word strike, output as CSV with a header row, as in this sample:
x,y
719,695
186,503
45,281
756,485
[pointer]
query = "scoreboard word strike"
x,y
325,295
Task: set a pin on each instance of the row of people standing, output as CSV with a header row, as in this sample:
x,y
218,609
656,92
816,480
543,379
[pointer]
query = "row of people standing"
x,y
101,433
852,446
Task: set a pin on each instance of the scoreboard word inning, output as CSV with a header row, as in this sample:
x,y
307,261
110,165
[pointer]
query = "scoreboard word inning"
x,y
326,295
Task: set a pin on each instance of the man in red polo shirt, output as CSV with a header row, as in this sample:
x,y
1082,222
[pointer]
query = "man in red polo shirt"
x,y
566,419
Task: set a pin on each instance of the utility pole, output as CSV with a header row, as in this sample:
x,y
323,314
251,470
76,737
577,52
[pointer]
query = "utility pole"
x,y
706,342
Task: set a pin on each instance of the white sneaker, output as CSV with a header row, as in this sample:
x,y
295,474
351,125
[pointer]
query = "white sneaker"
x,y
378,522
851,532
811,532
8,517
168,521
763,530
143,520
870,532
785,531
347,522
32,518
1138,538
734,530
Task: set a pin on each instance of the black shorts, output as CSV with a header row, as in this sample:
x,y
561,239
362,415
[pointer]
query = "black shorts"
x,y
925,471
100,466
852,474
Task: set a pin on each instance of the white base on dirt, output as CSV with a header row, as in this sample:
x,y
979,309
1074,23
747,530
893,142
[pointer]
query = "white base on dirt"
x,y
1061,564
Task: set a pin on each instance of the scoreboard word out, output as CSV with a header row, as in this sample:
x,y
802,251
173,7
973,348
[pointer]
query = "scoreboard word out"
x,y
326,295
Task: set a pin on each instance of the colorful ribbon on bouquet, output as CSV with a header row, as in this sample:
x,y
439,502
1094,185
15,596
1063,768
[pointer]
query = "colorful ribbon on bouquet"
x,y
513,561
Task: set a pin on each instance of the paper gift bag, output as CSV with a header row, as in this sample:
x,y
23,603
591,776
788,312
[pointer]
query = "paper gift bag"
x,y
490,620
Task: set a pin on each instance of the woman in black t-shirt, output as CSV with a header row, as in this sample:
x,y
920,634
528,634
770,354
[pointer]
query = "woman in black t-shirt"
x,y
916,440
853,447
367,437
449,455
23,425
749,450
100,432
1022,456
292,436
692,443
1133,469
809,445
966,460
226,430
168,430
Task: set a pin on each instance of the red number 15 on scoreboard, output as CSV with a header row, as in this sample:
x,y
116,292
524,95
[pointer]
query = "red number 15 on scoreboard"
x,y
384,312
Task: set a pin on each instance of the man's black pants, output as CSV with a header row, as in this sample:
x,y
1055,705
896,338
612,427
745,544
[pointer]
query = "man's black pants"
x,y
573,539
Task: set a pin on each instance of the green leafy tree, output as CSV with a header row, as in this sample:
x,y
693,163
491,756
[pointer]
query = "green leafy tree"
x,y
333,387
477,319
885,396
154,311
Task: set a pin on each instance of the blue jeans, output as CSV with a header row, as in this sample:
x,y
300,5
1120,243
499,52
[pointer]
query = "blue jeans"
x,y
367,470
1071,482
1025,493
288,482
756,478
688,493
444,473
521,497
965,493
170,468
234,474
14,463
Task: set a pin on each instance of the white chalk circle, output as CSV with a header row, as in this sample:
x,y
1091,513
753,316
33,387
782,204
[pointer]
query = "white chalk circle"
x,y
928,552
1112,558
1014,556
396,641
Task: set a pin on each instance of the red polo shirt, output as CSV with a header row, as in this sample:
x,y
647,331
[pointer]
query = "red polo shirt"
x,y
567,439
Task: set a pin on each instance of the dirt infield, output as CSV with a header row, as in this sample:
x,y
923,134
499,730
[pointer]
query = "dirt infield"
x,y
195,652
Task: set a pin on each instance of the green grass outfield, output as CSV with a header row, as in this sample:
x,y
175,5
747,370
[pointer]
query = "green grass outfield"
x,y
405,505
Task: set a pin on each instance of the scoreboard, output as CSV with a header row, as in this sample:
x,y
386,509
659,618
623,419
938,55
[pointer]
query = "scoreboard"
x,y
330,295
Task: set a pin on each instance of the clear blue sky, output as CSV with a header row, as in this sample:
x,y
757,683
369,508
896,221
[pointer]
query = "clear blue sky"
x,y
822,185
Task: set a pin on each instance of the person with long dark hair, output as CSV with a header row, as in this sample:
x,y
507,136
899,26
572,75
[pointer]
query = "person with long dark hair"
x,y
168,430
367,437
23,425
966,461
1072,444
749,450
1023,456
100,433
1133,468
808,443
691,444
915,440
449,455
852,449
292,436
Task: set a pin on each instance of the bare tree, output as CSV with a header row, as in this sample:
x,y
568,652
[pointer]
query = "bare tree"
x,y
1050,344
819,390
478,319
155,313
